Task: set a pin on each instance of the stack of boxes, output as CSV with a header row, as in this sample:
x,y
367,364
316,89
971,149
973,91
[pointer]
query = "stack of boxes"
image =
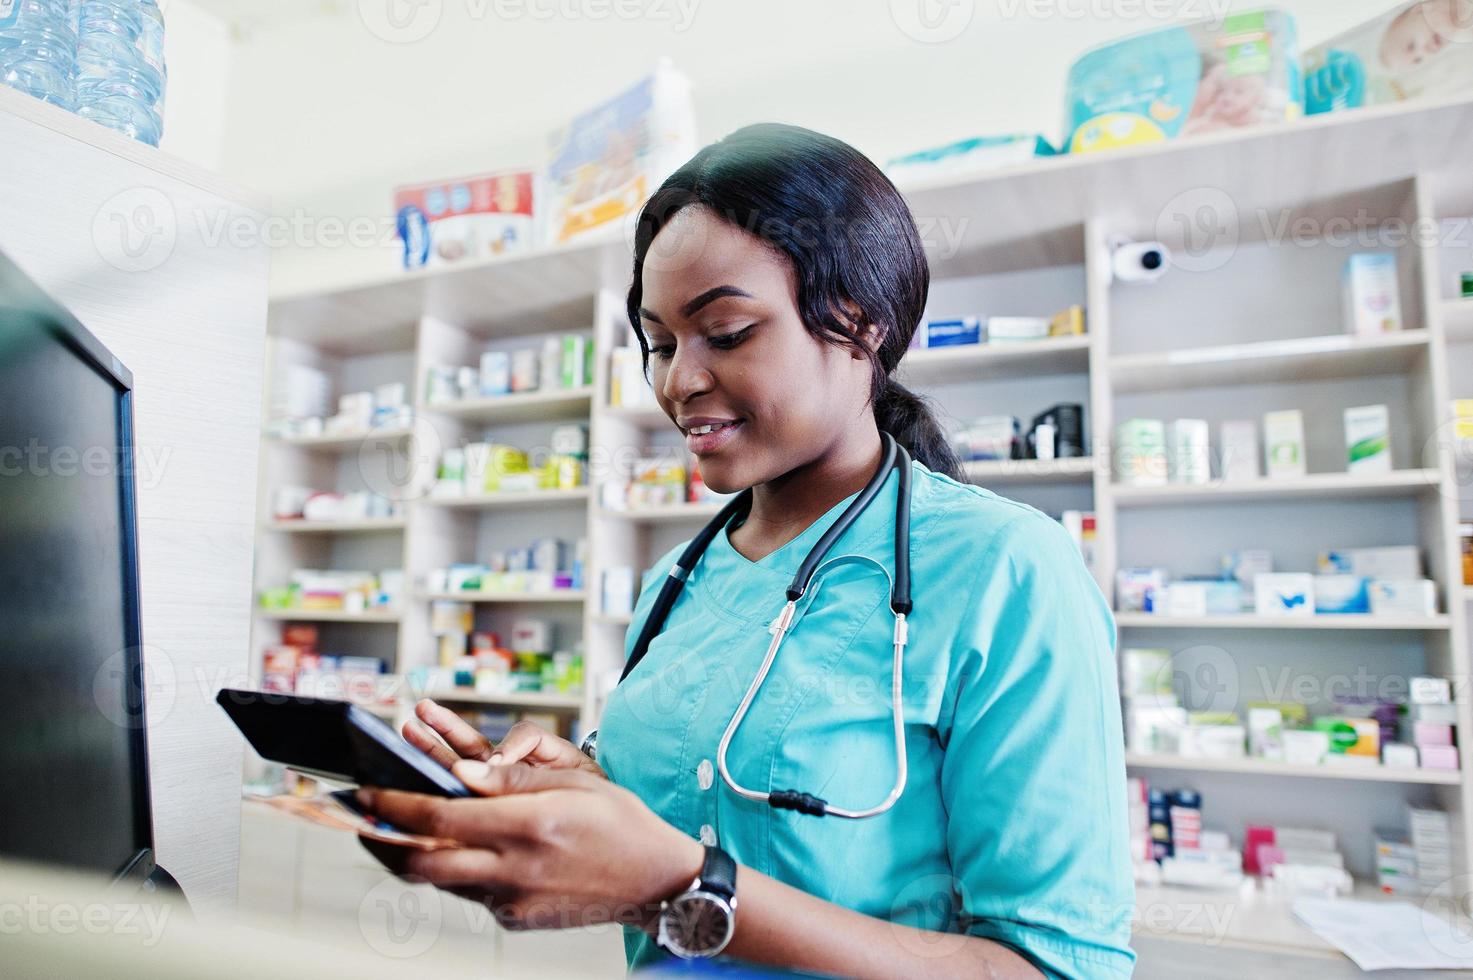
x,y
1433,723
1415,864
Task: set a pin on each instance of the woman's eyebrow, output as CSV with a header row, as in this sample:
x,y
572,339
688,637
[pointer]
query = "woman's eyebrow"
x,y
709,296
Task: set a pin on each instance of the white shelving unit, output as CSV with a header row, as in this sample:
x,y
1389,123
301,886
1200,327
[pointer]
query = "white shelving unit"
x,y
1246,324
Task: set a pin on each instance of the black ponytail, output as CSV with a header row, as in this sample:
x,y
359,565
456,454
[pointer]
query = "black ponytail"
x,y
852,241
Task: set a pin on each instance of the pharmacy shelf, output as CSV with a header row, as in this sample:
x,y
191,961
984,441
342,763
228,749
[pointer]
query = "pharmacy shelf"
x,y
518,699
538,290
533,406
1457,319
1376,773
665,514
1336,356
373,525
1010,472
340,441
329,616
645,416
1316,487
513,499
508,598
611,619
981,362
1250,621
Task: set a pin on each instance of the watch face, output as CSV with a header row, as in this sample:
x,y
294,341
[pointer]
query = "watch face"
x,y
696,924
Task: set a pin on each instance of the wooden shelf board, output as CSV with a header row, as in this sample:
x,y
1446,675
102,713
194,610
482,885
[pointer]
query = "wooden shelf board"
x,y
366,526
1263,767
1316,486
1251,621
1004,472
980,362
512,499
532,406
328,616
668,514
338,442
521,699
1330,357
508,598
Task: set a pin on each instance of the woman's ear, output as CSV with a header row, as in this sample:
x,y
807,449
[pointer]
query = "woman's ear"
x,y
871,335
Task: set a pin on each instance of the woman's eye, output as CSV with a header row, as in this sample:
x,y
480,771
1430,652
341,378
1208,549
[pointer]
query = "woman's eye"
x,y
727,341
664,353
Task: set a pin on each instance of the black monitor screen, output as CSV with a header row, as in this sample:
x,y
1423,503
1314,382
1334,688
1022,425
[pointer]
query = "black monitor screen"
x,y
73,775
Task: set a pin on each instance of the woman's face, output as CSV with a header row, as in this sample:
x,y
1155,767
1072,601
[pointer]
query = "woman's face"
x,y
728,349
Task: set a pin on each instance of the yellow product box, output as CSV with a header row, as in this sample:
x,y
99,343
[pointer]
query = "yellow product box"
x,y
1069,323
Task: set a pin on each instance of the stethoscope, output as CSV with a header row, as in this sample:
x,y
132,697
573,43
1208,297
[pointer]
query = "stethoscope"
x,y
895,457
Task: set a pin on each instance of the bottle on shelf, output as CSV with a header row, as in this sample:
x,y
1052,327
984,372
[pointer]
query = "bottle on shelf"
x,y
38,49
121,75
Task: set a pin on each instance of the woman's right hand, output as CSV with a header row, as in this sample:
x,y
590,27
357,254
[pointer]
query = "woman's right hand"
x,y
447,738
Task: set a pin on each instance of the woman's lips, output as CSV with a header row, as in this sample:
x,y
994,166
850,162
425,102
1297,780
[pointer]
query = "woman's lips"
x,y
710,442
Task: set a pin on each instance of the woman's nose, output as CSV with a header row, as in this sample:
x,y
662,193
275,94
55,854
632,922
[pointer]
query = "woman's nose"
x,y
686,377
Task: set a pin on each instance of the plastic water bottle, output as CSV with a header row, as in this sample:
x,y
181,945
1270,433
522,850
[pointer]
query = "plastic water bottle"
x,y
120,66
38,49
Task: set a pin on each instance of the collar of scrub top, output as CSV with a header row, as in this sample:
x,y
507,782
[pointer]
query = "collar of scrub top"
x,y
894,457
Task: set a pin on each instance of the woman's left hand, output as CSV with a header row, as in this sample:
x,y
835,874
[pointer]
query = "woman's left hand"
x,y
543,848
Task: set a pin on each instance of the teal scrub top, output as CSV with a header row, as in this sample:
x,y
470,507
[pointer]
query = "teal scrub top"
x,y
1012,825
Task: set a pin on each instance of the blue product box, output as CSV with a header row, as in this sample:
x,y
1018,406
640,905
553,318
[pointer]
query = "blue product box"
x,y
1342,594
958,332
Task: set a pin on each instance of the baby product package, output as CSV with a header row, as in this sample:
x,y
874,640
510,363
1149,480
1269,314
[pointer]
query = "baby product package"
x,y
470,218
608,160
1239,71
1421,48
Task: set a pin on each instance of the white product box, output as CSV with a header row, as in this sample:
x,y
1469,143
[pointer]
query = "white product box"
x,y
466,219
1431,690
1368,439
1266,733
1283,444
1213,742
1436,713
1247,564
1395,755
1372,295
1186,599
1401,562
1140,459
1191,452
1403,597
1284,594
1239,450
618,590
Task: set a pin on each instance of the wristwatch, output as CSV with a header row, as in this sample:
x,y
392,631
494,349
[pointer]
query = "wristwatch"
x,y
700,921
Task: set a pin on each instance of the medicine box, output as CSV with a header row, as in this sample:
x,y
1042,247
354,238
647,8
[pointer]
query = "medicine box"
x,y
1141,459
1367,439
1284,594
1342,594
1403,597
1372,296
466,219
956,332
1283,444
1191,454
1400,562
1430,690
1239,448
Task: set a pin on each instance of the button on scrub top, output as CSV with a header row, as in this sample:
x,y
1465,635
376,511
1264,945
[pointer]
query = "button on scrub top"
x,y
1013,823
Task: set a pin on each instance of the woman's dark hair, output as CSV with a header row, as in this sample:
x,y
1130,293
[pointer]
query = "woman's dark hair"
x,y
852,241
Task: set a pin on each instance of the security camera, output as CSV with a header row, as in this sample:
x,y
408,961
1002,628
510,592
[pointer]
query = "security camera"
x,y
1139,261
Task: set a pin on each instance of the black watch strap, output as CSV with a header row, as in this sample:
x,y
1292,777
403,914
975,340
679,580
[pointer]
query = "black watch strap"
x,y
718,873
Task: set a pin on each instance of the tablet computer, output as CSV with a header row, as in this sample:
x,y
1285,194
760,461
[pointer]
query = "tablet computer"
x,y
336,740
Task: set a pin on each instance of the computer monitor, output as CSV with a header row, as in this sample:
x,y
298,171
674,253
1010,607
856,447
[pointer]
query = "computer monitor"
x,y
73,755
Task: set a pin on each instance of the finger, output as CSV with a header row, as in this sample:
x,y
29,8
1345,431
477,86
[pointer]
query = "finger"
x,y
413,813
465,740
391,856
525,742
511,780
458,868
419,735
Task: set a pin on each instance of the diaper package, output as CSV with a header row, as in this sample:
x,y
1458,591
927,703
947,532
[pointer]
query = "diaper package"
x,y
465,219
1419,49
609,160
1181,81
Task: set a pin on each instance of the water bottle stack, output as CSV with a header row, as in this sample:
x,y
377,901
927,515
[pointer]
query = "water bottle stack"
x,y
103,59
